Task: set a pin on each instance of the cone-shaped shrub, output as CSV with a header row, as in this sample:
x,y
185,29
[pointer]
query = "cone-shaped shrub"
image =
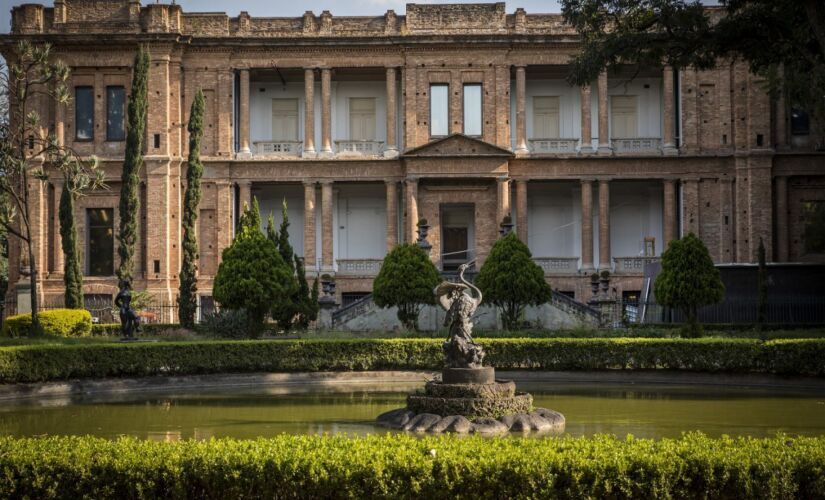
x,y
510,280
406,280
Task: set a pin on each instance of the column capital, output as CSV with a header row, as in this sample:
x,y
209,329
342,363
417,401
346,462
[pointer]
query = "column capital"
x,y
520,66
309,183
244,182
326,182
587,180
604,180
389,182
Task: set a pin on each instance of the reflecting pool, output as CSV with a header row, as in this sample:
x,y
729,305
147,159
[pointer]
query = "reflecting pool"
x,y
248,412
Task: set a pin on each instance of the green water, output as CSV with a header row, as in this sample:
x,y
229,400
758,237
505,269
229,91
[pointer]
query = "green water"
x,y
640,410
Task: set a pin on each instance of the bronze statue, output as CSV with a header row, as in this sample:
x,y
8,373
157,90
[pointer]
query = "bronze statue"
x,y
460,300
129,320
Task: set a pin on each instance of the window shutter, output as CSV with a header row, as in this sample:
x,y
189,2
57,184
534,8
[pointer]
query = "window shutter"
x,y
623,116
362,118
284,119
546,117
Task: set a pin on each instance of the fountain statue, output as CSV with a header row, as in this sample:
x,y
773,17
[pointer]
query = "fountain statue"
x,y
468,398
129,320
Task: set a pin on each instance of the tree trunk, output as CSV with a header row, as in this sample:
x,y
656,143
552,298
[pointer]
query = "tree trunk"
x,y
35,330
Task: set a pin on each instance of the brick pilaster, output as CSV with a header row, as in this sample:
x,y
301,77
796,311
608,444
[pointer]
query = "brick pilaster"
x,y
521,209
521,118
310,260
604,225
327,231
309,113
392,214
604,134
587,224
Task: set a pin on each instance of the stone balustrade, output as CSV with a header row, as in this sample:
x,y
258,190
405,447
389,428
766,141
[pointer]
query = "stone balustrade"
x,y
359,148
632,265
359,267
553,146
637,145
558,265
278,148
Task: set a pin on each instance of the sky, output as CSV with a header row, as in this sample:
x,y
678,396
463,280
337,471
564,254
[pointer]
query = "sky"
x,y
287,8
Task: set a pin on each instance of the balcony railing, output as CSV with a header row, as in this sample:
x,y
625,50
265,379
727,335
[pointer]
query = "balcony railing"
x,y
278,148
637,145
632,265
359,148
558,265
552,146
359,267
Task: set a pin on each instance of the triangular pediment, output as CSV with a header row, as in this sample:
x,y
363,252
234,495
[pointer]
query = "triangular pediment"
x,y
458,145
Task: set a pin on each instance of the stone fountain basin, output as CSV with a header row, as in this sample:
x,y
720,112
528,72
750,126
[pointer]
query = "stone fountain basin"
x,y
540,420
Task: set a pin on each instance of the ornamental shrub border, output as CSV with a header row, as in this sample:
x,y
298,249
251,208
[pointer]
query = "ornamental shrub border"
x,y
38,362
57,322
402,466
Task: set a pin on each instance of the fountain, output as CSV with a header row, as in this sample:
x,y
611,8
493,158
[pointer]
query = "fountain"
x,y
468,398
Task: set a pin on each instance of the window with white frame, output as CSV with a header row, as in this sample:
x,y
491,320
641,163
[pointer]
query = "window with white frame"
x,y
472,109
284,119
439,109
546,117
623,117
362,118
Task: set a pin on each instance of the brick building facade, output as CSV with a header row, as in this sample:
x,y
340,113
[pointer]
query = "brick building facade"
x,y
454,113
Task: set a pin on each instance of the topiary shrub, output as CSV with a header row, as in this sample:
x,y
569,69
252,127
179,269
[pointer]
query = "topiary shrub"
x,y
406,280
511,281
231,324
252,275
58,322
688,281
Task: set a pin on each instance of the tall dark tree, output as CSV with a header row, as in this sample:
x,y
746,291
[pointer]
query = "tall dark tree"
x,y
188,298
133,162
307,299
783,40
72,275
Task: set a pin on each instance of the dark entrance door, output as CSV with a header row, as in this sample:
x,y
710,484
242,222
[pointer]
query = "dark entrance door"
x,y
455,247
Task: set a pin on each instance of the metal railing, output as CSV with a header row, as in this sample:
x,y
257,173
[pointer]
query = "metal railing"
x,y
558,265
278,148
359,267
787,310
359,147
353,310
550,146
636,145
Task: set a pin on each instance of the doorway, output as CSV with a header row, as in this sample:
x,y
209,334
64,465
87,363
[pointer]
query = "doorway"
x,y
457,235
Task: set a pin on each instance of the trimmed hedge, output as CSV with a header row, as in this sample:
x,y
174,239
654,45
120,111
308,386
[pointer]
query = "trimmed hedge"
x,y
402,466
35,363
58,322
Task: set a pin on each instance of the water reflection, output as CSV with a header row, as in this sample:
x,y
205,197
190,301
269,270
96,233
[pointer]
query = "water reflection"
x,y
244,412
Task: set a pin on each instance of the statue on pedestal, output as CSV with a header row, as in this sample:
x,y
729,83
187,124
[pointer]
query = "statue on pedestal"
x,y
129,320
460,300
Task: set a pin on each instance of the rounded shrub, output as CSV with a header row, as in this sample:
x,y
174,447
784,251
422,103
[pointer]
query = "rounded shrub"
x,y
58,322
406,280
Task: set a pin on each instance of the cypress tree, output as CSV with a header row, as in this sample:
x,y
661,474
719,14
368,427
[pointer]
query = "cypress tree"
x,y
72,277
133,161
307,300
287,313
188,298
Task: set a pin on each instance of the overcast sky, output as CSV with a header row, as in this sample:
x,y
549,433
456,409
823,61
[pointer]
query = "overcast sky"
x,y
292,8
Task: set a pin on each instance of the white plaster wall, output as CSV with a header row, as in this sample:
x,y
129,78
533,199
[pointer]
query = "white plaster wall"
x,y
361,222
649,103
270,199
554,218
636,212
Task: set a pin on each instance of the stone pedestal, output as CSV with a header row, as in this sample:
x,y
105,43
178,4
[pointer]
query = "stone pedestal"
x,y
483,375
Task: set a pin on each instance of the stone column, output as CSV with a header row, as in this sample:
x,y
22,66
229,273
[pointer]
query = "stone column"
x,y
309,113
521,209
392,214
326,112
586,136
668,120
59,124
782,219
604,135
521,116
58,240
310,262
391,151
244,195
587,224
670,222
243,113
503,199
327,233
604,225
411,200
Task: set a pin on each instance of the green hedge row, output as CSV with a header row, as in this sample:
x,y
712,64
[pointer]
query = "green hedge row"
x,y
400,466
34,363
57,322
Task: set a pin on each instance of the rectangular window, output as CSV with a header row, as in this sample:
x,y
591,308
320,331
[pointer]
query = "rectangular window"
x,y
284,119
439,109
362,119
546,117
472,109
800,122
100,245
115,113
84,113
623,117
